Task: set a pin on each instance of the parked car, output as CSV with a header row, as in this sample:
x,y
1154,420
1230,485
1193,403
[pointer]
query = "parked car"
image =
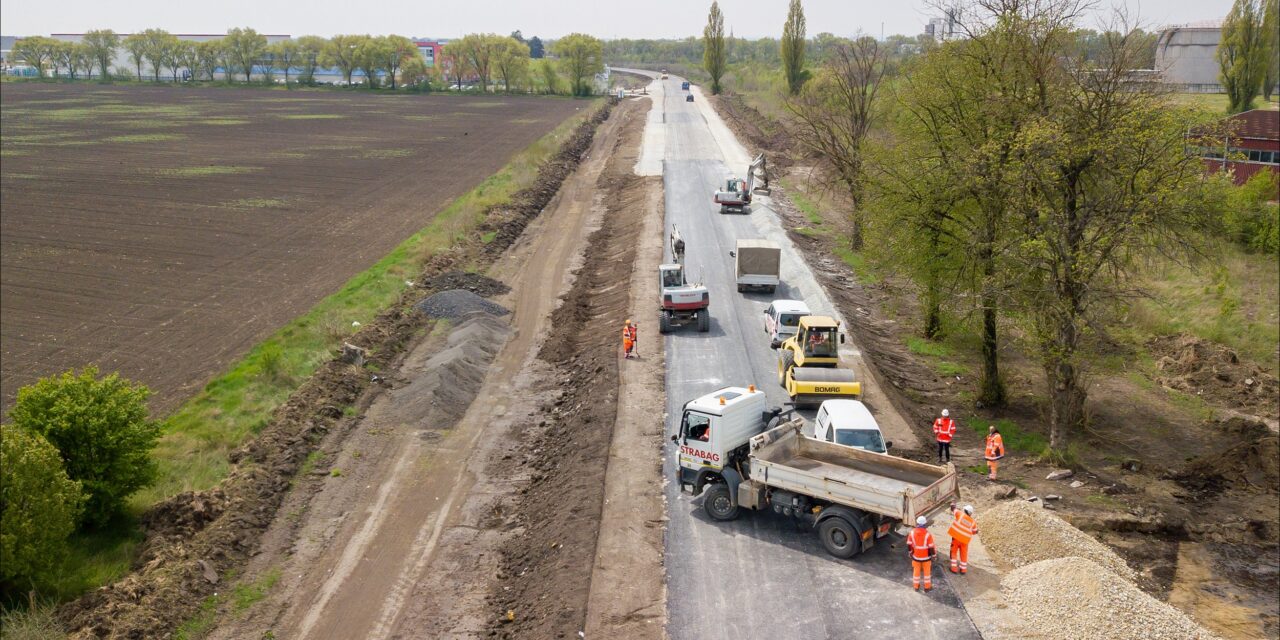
x,y
688,98
849,423
781,319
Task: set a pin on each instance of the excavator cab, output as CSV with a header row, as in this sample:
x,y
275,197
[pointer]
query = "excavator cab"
x,y
672,276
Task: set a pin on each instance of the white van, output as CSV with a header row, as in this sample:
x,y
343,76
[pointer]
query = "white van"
x,y
850,423
781,320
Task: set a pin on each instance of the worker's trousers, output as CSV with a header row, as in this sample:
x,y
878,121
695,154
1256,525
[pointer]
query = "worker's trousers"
x,y
944,451
992,465
918,568
959,556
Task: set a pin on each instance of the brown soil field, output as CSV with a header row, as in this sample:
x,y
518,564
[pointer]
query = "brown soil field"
x,y
161,232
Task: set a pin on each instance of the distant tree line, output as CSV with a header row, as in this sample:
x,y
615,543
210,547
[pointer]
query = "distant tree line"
x,y
509,63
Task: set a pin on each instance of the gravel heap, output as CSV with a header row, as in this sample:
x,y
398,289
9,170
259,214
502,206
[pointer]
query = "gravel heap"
x,y
1072,598
456,303
1021,532
473,282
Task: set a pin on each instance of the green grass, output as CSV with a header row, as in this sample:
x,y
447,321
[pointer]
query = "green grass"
x,y
36,620
806,206
309,464
1015,437
858,262
244,596
488,237
386,153
923,347
208,170
145,137
312,116
201,623
1217,102
254,203
223,122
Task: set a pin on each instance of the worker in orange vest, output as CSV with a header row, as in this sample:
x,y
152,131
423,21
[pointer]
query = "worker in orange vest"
x,y
963,529
629,338
944,429
994,451
920,546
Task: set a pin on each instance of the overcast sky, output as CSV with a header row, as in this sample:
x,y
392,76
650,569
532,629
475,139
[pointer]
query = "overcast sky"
x,y
546,18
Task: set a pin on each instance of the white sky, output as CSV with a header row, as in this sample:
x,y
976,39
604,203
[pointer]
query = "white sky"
x,y
546,18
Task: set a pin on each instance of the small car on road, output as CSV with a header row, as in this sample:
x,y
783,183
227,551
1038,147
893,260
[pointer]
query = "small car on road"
x,y
782,318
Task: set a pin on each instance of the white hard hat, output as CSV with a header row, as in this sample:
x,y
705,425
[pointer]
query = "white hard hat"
x,y
920,522
945,413
968,508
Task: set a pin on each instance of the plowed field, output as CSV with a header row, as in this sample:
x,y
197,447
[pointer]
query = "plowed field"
x,y
162,231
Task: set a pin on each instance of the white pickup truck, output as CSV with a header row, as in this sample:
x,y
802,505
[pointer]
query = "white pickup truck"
x,y
739,454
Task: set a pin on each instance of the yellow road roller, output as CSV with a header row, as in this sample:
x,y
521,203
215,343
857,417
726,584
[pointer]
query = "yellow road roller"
x,y
809,363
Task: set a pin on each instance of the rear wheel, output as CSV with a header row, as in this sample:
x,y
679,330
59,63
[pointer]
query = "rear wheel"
x,y
718,503
839,537
785,361
771,289
664,323
704,321
742,288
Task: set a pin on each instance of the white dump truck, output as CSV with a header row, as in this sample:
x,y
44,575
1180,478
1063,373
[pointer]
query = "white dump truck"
x,y
757,265
739,454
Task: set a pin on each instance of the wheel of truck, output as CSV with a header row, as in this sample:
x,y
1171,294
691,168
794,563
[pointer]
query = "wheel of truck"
x,y
664,323
771,289
718,503
704,321
838,537
742,288
785,360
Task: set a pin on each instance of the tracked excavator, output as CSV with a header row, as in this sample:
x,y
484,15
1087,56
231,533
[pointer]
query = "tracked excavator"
x,y
736,194
809,363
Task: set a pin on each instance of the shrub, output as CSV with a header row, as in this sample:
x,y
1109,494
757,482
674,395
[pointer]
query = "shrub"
x,y
1252,217
38,507
101,428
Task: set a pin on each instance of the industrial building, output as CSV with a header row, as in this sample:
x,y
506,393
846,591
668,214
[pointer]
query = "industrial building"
x,y
1186,56
1251,144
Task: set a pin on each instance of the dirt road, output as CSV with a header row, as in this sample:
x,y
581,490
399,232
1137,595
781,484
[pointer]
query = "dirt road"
x,y
413,502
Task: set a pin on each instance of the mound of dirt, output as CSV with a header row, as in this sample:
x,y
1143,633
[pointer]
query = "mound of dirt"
x,y
1251,465
476,283
458,303
1022,532
1215,373
1073,597
437,399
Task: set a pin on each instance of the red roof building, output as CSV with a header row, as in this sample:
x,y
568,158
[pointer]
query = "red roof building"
x,y
1251,144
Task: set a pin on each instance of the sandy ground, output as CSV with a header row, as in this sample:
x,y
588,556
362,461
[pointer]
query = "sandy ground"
x,y
381,549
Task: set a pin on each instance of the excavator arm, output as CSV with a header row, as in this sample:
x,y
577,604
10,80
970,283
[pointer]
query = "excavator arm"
x,y
759,167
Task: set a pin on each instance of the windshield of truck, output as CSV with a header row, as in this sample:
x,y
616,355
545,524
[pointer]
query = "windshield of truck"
x,y
671,279
789,320
696,426
865,439
821,342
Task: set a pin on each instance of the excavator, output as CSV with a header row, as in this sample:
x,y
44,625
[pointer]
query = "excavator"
x,y
809,363
736,194
682,302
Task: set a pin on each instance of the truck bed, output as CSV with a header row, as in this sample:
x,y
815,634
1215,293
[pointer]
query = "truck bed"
x,y
888,485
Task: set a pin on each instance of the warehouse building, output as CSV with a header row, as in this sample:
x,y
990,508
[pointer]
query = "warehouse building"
x,y
1186,56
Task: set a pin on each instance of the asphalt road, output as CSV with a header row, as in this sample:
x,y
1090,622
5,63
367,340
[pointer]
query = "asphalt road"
x,y
761,576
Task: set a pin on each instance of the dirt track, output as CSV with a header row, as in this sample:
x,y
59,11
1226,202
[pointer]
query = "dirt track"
x,y
162,231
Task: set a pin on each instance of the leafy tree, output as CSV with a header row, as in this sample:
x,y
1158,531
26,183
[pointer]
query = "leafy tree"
x,y
480,51
39,505
713,48
61,58
285,55
371,55
246,46
1241,54
227,60
397,51
156,46
1271,31
310,53
550,76
582,57
176,55
517,36
793,48
415,75
136,45
535,48
455,63
101,429
37,51
207,57
82,59
101,46
340,52
511,61
834,115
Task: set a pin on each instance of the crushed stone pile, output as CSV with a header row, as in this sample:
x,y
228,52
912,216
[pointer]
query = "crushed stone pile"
x,y
1022,532
449,380
1073,597
474,282
456,303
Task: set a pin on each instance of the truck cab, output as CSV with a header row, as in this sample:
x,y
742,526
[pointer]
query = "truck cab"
x,y
849,423
782,320
716,428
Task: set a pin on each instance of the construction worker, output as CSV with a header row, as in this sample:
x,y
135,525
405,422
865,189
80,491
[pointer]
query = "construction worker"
x,y
922,550
944,429
629,336
963,529
994,451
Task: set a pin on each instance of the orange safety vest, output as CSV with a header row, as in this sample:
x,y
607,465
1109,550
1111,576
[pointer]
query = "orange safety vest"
x,y
995,447
631,332
963,528
944,429
920,544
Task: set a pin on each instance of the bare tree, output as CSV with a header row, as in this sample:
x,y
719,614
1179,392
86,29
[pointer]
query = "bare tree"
x,y
834,114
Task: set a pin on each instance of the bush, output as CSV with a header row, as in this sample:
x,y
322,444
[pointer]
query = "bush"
x,y
1252,217
101,429
38,507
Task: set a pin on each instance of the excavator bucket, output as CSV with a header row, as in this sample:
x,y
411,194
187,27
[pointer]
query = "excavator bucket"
x,y
812,385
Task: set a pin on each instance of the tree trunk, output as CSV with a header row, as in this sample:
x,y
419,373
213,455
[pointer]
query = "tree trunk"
x,y
1066,397
856,239
932,309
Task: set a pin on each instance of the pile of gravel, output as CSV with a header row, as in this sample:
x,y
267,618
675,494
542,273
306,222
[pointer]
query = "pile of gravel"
x,y
1072,598
473,282
1021,532
457,303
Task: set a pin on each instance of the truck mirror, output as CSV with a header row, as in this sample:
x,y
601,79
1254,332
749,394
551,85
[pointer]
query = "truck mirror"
x,y
733,254
842,338
888,444
675,438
